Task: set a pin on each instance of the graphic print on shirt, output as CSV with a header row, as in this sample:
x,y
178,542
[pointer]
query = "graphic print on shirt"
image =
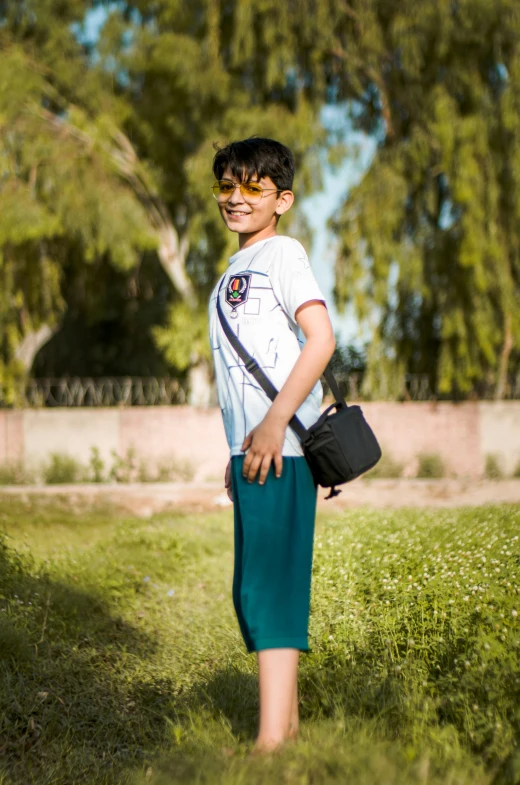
x,y
237,292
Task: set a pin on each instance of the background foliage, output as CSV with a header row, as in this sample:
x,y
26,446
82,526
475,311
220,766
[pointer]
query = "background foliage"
x,y
110,242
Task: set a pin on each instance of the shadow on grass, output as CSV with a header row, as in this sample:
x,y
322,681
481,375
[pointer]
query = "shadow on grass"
x,y
67,669
228,695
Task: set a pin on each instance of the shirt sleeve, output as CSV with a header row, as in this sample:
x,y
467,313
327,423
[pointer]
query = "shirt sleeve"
x,y
292,278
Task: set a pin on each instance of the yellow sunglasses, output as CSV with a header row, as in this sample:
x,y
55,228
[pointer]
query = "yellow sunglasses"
x,y
252,192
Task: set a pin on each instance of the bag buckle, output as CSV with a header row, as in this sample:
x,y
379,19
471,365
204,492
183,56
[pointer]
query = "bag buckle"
x,y
333,492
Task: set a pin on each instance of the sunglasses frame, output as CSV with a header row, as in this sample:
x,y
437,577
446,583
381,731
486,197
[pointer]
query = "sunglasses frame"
x,y
219,198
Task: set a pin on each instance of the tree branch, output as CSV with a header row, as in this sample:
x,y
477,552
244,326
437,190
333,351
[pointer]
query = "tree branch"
x,y
172,250
372,75
31,344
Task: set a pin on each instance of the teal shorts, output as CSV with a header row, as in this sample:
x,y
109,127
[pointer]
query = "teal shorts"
x,y
274,533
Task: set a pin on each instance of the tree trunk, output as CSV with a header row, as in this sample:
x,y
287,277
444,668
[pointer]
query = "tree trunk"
x,y
201,389
172,254
32,343
504,359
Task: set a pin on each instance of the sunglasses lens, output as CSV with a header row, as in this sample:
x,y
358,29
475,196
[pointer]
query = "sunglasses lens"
x,y
223,188
251,191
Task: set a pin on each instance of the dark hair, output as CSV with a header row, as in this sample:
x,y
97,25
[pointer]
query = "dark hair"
x,y
256,156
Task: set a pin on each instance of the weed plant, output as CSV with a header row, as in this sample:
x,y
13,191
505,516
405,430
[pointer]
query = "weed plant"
x,y
121,660
62,468
493,469
386,468
430,466
16,473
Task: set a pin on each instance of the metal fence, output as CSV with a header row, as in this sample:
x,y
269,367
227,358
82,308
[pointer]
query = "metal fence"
x,y
153,391
102,391
418,387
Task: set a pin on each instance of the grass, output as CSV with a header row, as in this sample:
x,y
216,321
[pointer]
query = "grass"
x,y
121,662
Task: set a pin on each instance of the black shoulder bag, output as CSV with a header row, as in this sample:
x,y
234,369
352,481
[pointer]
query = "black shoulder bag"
x,y
339,447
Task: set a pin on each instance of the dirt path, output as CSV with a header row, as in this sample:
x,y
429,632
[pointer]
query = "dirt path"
x,y
147,499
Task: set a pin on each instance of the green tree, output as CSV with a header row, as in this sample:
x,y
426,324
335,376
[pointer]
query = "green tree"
x,y
138,121
430,237
61,199
192,75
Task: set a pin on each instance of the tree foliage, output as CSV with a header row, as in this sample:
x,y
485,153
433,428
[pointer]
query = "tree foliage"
x,y
62,203
116,142
430,238
106,149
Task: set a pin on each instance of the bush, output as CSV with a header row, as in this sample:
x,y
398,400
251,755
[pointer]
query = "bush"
x,y
493,469
97,465
386,468
15,473
431,466
170,470
166,470
516,472
124,467
63,468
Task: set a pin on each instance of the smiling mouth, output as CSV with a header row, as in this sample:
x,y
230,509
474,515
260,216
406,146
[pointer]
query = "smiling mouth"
x,y
236,212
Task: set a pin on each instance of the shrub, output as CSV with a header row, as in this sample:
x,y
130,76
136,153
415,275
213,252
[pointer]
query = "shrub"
x,y
15,473
431,466
97,465
386,468
166,470
493,469
124,467
171,469
63,468
516,472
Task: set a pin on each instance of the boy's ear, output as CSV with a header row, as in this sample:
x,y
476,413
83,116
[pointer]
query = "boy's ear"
x,y
285,202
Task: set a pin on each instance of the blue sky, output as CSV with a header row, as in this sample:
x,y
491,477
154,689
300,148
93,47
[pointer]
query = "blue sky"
x,y
320,206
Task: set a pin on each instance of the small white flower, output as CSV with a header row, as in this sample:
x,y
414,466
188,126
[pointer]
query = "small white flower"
x,y
514,613
146,579
171,592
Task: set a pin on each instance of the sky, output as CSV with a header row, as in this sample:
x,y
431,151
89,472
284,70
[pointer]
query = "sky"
x,y
321,205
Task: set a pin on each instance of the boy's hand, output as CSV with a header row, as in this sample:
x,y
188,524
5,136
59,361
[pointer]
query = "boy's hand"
x,y
264,444
227,481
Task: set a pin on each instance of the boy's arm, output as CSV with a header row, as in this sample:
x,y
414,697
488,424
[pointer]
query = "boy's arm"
x,y
265,442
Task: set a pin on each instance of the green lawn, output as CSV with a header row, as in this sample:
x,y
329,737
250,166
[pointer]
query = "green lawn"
x,y
121,662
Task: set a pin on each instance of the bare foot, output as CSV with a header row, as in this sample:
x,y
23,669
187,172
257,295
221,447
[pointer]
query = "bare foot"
x,y
266,747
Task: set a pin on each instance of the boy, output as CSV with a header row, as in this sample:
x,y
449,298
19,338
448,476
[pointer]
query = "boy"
x,y
266,294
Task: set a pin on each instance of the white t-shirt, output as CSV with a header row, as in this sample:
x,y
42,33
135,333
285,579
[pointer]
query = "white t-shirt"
x,y
263,287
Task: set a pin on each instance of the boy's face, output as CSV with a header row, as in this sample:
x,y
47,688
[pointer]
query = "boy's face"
x,y
245,218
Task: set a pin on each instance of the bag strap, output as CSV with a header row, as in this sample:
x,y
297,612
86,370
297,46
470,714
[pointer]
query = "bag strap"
x,y
263,380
